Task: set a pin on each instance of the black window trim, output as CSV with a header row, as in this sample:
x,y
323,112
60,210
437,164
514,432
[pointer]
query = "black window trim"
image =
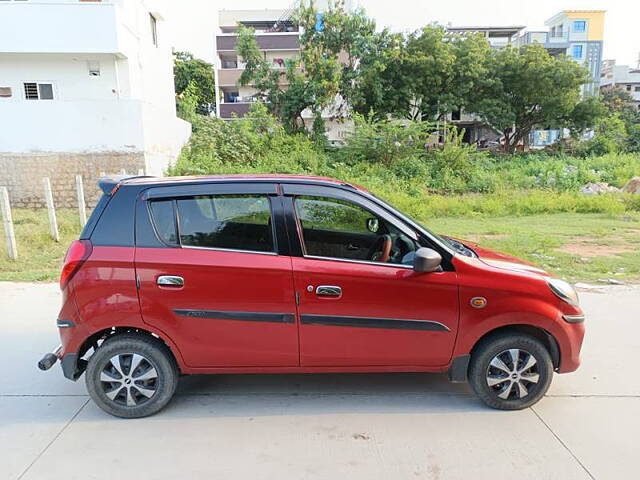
x,y
270,191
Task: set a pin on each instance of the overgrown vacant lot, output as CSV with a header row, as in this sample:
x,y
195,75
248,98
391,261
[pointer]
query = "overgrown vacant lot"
x,y
576,246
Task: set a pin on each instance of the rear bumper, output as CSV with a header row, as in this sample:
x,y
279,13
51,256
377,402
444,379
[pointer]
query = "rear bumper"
x,y
72,367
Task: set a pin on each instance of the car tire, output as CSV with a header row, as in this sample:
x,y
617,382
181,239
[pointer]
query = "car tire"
x,y
500,384
128,392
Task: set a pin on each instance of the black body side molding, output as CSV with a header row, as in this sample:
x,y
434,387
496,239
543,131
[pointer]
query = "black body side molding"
x,y
232,315
366,322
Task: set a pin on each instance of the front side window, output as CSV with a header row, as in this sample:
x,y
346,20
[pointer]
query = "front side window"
x,y
340,229
580,26
238,222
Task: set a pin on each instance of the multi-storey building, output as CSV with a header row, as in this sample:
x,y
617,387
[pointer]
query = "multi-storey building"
x,y
577,33
85,87
497,36
279,40
622,77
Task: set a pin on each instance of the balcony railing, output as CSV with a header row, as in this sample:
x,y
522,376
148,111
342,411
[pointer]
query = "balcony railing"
x,y
266,41
229,110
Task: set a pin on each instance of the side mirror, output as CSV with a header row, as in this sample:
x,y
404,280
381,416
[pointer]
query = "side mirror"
x,y
373,224
426,260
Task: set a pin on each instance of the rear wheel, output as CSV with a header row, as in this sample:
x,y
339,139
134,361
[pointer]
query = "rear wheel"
x,y
510,371
131,376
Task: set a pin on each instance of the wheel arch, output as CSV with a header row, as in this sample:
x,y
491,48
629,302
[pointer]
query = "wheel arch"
x,y
539,333
74,364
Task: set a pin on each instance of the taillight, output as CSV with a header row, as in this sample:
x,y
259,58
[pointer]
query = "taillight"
x,y
77,254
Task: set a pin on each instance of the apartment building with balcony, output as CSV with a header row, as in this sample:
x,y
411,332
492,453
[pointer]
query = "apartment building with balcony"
x,y
85,87
578,34
278,38
622,77
497,36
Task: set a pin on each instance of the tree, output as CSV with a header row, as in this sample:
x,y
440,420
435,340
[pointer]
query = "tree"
x,y
525,88
619,101
309,81
585,115
440,71
187,71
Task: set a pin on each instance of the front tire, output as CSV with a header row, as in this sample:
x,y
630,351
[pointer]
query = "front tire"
x,y
131,376
510,371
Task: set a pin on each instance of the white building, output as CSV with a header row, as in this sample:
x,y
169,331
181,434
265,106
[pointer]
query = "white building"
x,y
86,86
622,77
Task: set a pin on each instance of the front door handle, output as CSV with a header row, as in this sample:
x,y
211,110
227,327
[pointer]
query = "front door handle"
x,y
328,291
170,281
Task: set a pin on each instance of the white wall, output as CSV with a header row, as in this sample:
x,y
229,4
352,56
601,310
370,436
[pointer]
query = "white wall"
x,y
71,126
68,73
64,27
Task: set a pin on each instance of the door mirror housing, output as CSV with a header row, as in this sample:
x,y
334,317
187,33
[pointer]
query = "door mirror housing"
x,y
426,260
373,224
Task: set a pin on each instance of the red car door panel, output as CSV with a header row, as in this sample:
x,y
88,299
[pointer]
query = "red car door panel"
x,y
384,315
235,309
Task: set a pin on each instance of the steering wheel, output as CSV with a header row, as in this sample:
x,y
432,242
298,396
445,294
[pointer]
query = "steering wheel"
x,y
381,250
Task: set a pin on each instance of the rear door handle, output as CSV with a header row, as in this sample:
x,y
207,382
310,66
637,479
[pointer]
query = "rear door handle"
x,y
351,246
328,291
170,281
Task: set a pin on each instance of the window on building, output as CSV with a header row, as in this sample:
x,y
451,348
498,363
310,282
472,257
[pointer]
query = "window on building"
x,y
154,29
579,26
628,88
38,91
576,52
5,92
637,89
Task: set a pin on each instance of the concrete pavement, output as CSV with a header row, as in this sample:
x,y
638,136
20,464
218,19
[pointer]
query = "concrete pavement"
x,y
387,426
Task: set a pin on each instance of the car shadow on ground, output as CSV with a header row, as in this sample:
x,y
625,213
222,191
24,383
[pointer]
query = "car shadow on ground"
x,y
284,394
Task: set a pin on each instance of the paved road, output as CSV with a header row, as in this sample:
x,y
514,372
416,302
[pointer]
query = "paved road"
x,y
322,426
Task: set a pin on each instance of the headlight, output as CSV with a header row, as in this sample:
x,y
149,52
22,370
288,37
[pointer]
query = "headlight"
x,y
563,290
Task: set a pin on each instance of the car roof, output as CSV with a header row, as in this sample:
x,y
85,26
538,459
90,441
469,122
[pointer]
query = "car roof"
x,y
239,178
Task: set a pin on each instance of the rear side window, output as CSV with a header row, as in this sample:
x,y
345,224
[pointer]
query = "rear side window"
x,y
237,222
164,220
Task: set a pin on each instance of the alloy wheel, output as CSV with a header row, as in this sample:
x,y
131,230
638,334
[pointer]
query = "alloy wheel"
x,y
129,379
511,373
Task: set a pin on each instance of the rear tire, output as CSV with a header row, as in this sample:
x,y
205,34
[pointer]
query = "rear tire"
x,y
131,376
510,371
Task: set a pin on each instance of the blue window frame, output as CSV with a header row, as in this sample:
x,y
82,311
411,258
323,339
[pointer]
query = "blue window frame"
x,y
579,26
576,52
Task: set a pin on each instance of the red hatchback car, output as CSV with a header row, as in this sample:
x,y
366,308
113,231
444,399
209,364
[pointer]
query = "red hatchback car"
x,y
291,274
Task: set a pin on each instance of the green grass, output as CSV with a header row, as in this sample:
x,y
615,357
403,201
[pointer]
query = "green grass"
x,y
596,246
39,257
578,247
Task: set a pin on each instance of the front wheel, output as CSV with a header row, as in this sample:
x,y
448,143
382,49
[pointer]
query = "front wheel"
x,y
131,376
510,371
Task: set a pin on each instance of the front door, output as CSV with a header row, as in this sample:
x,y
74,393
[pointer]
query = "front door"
x,y
361,303
217,285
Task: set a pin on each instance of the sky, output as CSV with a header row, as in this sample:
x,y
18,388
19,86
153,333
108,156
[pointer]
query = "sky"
x,y
194,22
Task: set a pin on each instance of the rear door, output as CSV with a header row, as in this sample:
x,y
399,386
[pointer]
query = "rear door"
x,y
215,276
357,311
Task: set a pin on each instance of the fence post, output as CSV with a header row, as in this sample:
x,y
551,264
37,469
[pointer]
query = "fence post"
x,y
12,248
141,172
123,171
51,209
82,209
